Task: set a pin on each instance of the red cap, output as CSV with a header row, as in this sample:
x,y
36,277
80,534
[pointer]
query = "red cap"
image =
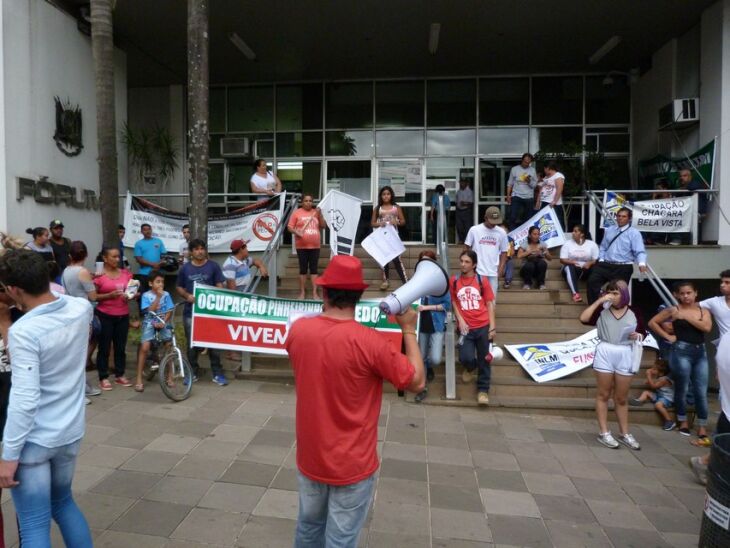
x,y
238,244
343,272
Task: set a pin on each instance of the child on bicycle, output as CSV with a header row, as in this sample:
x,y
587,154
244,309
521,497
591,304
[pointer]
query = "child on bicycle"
x,y
661,393
156,307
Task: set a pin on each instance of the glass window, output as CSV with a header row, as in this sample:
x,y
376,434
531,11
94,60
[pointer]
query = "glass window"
x,y
611,173
349,143
300,176
215,146
350,177
503,141
556,139
451,141
448,172
404,177
299,144
349,105
299,107
615,142
493,176
557,100
251,108
217,110
239,179
504,101
607,104
452,102
399,143
399,104
411,231
215,182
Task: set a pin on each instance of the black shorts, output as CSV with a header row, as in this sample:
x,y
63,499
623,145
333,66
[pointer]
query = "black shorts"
x,y
308,259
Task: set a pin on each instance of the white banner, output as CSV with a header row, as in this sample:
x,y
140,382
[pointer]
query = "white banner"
x,y
342,213
551,233
667,215
550,361
384,244
255,223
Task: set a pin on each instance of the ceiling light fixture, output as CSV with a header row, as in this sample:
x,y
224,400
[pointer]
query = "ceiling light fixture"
x,y
242,46
632,77
433,38
604,49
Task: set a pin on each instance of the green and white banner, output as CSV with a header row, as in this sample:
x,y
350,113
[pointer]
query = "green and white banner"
x,y
231,320
662,167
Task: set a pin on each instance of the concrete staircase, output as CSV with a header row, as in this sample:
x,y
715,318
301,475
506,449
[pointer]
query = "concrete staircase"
x,y
523,316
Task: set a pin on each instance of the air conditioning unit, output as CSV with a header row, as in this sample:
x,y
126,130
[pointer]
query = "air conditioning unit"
x,y
235,147
679,113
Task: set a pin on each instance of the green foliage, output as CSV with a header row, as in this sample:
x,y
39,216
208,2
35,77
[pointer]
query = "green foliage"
x,y
152,153
583,169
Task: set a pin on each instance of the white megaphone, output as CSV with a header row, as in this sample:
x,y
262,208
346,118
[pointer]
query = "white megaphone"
x,y
428,279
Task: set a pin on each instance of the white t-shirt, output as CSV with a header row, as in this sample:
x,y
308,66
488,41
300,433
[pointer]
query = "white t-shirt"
x,y
488,244
582,254
548,188
264,183
720,313
185,251
522,181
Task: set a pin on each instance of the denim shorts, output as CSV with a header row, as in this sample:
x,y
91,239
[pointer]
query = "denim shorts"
x,y
667,403
148,332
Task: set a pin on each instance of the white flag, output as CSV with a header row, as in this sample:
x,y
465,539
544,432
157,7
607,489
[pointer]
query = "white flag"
x,y
342,213
551,233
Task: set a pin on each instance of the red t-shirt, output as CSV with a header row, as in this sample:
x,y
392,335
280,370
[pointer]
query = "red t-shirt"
x,y
471,302
105,284
339,367
308,221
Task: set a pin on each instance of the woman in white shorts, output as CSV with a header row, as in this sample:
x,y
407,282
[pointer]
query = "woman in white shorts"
x,y
263,181
618,327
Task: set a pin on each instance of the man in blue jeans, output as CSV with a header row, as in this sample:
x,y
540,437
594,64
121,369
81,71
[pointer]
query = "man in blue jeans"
x,y
45,418
339,367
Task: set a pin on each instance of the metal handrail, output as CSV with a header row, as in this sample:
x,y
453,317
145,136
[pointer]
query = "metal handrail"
x,y
442,248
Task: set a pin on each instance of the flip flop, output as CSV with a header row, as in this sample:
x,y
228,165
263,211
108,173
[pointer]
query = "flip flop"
x,y
139,387
702,441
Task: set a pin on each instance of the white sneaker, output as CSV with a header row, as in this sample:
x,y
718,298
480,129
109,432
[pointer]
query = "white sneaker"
x,y
483,398
629,441
607,439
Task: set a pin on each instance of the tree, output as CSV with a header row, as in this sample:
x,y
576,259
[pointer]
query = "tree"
x,y
102,47
198,144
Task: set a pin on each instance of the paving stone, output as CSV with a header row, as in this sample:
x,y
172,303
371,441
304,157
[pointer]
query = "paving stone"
x,y
404,451
286,479
692,499
152,518
633,538
495,461
458,524
232,497
216,450
487,442
560,436
518,531
521,433
274,437
123,483
612,456
572,453
619,514
397,540
284,424
414,436
210,527
447,474
572,509
445,425
85,476
250,473
241,434
658,460
652,495
403,469
670,520
388,518
446,455
627,474
587,469
459,543
453,497
441,439
521,447
510,503
119,539
403,491
540,463
195,467
191,429
264,454
277,503
501,479
173,443
106,455
572,535
266,532
406,423
600,490
179,490
156,462
99,510
549,484
682,540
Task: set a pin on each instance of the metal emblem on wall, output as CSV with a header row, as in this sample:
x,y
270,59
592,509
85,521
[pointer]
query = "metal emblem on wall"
x,y
68,128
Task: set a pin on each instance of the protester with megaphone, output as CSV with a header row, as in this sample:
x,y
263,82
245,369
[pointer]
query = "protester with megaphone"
x,y
473,300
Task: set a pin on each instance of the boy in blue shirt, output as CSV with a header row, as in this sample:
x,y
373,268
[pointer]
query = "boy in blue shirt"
x,y
155,300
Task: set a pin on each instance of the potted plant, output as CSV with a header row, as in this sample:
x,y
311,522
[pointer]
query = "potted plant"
x,y
152,154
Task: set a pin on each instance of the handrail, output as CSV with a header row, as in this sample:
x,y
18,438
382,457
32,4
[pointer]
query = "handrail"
x,y
442,248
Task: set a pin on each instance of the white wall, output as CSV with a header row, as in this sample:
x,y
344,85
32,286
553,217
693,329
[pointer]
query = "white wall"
x,y
44,55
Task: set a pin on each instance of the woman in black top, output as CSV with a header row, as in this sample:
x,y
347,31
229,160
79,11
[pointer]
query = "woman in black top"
x,y
688,358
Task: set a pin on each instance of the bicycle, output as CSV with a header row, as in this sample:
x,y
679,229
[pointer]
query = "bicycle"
x,y
174,372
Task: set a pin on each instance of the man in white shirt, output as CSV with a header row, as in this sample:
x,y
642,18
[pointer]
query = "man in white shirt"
x,y
551,190
464,210
184,251
521,191
490,243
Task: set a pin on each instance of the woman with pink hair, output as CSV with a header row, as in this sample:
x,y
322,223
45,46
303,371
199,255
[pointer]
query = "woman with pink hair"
x,y
618,327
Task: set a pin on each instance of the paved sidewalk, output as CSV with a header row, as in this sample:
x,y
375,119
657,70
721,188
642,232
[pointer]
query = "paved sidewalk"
x,y
219,470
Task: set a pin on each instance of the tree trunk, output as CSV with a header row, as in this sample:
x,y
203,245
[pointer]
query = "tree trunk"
x,y
102,46
198,145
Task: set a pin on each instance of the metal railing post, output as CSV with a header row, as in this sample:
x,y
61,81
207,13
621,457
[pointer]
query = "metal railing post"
x,y
694,228
273,273
450,359
592,219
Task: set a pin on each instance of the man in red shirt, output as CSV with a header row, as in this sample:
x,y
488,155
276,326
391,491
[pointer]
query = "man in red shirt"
x,y
339,367
305,224
473,304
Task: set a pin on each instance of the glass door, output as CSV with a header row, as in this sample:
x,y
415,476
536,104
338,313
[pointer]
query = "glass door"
x,y
352,177
405,177
493,176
